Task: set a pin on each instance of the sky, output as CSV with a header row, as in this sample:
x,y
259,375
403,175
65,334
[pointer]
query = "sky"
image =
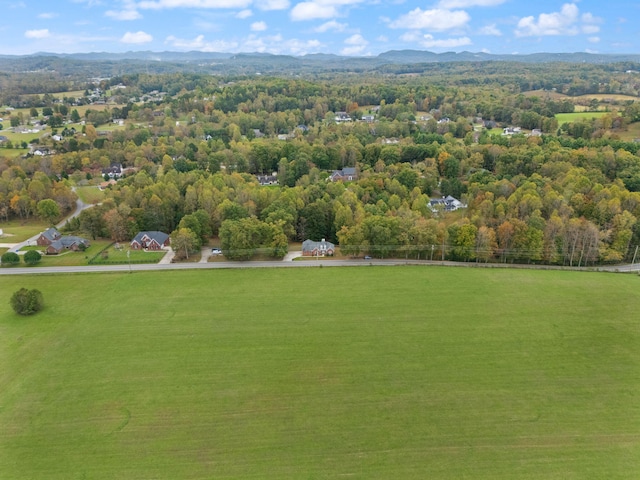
x,y
341,27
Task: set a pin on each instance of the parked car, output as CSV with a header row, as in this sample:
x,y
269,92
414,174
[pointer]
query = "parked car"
x,y
367,257
216,251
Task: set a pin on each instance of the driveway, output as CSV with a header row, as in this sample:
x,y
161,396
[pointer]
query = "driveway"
x,y
80,206
291,255
168,257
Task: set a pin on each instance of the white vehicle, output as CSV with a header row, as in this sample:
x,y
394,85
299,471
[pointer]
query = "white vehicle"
x,y
216,251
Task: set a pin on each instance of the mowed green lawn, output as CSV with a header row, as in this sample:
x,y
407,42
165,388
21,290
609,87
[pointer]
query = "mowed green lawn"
x,y
368,372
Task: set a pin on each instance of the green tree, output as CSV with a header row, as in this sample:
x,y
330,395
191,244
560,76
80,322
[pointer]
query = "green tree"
x,y
75,116
241,238
32,257
48,210
10,258
463,241
27,302
184,242
92,221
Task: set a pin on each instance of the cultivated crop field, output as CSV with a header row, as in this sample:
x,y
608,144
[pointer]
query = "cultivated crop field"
x,y
368,372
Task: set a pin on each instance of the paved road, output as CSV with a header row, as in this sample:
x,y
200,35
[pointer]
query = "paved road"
x,y
80,206
280,264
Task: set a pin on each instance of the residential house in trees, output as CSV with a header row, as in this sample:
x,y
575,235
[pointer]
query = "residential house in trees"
x,y
317,249
150,241
348,174
447,204
267,179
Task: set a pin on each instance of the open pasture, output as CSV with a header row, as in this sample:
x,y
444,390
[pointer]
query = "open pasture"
x,y
574,117
632,132
547,94
608,97
368,372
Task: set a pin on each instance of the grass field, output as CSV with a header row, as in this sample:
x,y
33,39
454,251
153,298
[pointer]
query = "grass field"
x,y
90,194
16,231
633,132
371,372
573,117
612,97
12,152
135,256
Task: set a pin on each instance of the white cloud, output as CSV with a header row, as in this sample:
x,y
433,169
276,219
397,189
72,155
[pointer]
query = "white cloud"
x,y
355,45
449,4
429,42
202,4
200,44
590,29
594,39
565,22
136,37
274,44
258,26
124,15
437,20
44,33
195,44
244,14
383,39
47,15
312,11
320,9
273,4
491,30
331,25
356,39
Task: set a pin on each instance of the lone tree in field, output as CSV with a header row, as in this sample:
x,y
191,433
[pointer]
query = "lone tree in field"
x,y
27,302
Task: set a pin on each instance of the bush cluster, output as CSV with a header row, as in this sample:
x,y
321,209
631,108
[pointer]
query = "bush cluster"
x,y
27,302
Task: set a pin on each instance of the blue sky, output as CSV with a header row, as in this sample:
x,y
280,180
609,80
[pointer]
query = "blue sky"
x,y
343,27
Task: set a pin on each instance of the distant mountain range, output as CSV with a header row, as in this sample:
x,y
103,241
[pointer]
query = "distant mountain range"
x,y
195,61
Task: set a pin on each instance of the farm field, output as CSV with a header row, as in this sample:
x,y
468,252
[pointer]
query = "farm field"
x,y
605,97
632,132
573,117
370,372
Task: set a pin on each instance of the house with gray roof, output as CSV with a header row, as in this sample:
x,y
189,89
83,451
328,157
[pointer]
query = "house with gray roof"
x,y
67,242
153,240
56,242
317,249
347,174
447,204
49,236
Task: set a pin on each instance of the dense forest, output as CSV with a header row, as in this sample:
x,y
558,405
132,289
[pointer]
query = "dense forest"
x,y
537,187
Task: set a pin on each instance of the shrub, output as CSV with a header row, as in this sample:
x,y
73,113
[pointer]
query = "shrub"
x,y
27,302
10,258
32,257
